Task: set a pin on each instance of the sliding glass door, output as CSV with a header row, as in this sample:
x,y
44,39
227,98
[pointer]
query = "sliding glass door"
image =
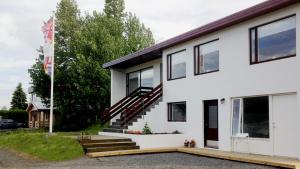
x,y
140,78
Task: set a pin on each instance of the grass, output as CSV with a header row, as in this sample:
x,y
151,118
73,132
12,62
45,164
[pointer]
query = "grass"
x,y
39,144
42,145
91,130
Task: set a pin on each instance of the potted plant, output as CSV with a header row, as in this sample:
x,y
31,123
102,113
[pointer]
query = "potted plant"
x,y
186,143
192,143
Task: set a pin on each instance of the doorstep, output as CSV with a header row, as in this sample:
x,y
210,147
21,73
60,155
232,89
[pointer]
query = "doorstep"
x,y
241,157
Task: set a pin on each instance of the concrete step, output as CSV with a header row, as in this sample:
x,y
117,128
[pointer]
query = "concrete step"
x,y
118,127
113,130
115,148
108,144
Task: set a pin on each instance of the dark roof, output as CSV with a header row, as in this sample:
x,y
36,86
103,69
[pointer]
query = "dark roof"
x,y
155,51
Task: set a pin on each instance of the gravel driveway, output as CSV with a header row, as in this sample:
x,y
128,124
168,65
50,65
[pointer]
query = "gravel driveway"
x,y
149,161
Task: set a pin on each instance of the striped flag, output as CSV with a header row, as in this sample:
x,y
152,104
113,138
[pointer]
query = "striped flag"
x,y
48,31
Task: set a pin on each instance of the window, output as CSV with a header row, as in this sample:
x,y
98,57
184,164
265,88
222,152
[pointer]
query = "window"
x,y
176,65
206,57
140,78
251,115
177,112
272,41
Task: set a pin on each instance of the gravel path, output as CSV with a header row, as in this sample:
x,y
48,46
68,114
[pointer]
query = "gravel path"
x,y
149,161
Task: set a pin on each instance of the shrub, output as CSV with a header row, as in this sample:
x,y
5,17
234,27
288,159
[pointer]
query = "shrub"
x,y
146,129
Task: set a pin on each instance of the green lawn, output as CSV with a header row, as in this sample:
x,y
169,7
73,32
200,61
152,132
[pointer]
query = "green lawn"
x,y
38,143
42,146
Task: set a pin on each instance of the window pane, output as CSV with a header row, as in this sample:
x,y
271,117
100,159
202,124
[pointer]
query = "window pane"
x,y
178,65
133,81
236,117
178,111
256,117
147,77
277,39
209,57
253,54
213,117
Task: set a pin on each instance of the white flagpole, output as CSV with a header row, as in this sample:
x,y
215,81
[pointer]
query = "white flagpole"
x,y
52,78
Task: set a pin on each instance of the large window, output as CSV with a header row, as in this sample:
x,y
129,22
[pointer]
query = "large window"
x,y
206,57
140,78
176,65
275,40
177,112
251,116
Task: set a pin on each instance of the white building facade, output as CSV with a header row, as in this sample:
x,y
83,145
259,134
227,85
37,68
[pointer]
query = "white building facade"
x,y
233,89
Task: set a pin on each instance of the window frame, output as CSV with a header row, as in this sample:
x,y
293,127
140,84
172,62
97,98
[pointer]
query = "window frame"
x,y
255,28
169,66
241,117
140,77
169,107
196,49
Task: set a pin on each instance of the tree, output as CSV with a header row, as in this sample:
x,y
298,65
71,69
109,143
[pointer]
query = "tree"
x,y
19,99
114,8
83,44
3,108
137,36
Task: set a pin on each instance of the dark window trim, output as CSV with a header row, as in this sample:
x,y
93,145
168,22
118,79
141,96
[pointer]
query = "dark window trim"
x,y
169,105
127,77
196,50
256,42
169,66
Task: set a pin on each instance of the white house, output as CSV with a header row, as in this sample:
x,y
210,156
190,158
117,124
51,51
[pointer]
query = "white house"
x,y
232,85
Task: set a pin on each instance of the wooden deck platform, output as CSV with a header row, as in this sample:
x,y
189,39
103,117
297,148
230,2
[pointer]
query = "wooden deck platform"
x,y
241,157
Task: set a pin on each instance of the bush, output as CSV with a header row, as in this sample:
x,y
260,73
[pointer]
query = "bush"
x,y
146,129
20,116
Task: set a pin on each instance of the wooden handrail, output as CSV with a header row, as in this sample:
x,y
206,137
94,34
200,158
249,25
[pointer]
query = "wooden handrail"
x,y
121,106
148,99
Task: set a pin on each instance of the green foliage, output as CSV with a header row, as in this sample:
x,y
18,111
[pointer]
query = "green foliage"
x,y
18,99
82,45
137,36
114,8
146,129
20,116
40,145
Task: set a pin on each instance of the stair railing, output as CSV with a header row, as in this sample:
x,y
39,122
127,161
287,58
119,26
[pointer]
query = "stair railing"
x,y
121,106
138,107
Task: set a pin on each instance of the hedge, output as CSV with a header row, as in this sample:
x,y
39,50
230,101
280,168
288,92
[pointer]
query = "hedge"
x,y
20,116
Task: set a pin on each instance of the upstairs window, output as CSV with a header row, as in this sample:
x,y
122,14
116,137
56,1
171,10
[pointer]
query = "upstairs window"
x,y
176,65
206,57
272,41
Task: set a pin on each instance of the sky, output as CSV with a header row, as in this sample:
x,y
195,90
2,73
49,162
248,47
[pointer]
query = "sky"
x,y
21,21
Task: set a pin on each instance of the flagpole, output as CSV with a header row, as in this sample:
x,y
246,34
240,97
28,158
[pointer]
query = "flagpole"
x,y
52,78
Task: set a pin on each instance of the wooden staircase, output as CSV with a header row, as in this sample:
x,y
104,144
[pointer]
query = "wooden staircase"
x,y
104,145
131,108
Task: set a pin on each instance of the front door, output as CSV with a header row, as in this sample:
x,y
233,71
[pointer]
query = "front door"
x,y
211,135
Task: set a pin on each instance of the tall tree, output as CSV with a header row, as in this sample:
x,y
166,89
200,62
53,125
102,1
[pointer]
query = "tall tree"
x,y
137,36
114,8
19,99
82,45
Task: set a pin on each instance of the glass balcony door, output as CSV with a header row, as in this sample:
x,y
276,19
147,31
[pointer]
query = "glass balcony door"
x,y
140,78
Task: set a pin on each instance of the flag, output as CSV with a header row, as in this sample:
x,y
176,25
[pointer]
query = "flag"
x,y
48,31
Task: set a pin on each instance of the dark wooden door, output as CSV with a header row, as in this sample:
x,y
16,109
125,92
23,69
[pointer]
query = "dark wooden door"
x,y
211,121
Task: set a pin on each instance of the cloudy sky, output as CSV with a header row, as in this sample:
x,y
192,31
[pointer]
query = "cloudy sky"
x,y
21,21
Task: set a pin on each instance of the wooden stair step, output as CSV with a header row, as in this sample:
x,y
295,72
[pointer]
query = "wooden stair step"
x,y
108,144
105,141
116,148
